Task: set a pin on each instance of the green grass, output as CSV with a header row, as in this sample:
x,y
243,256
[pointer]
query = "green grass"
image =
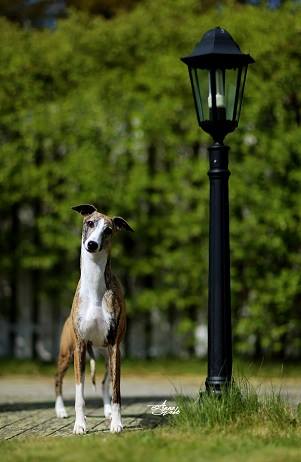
x,y
238,406
239,426
165,366
160,445
129,367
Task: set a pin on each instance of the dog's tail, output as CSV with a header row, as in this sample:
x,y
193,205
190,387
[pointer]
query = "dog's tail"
x,y
92,364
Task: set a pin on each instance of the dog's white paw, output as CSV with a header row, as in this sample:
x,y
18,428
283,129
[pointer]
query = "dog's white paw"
x,y
61,413
116,427
79,427
60,410
107,411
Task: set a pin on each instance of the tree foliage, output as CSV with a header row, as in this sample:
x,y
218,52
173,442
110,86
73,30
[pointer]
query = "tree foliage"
x,y
101,111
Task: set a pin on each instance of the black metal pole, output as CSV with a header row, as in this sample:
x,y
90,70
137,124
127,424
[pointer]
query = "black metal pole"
x,y
219,301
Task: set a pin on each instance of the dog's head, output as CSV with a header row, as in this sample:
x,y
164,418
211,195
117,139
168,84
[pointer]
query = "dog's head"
x,y
98,229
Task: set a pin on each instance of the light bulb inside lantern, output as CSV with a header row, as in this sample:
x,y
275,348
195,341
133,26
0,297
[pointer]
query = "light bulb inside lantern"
x,y
220,90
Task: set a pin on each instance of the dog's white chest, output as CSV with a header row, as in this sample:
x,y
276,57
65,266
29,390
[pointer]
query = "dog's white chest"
x,y
94,321
93,316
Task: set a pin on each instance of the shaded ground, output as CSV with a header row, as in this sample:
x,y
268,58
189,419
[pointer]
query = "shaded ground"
x,y
27,403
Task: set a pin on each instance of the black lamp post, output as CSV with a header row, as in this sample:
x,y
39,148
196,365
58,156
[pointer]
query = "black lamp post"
x,y
218,70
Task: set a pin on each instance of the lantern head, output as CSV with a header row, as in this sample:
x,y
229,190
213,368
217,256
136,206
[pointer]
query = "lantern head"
x,y
217,70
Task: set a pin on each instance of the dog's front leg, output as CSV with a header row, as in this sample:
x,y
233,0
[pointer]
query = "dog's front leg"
x,y
79,372
114,355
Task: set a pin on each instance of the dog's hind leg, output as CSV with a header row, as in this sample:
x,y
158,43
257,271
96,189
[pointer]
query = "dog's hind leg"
x,y
106,385
62,366
92,364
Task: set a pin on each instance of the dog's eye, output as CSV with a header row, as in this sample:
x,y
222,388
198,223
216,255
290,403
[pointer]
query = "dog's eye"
x,y
107,232
90,224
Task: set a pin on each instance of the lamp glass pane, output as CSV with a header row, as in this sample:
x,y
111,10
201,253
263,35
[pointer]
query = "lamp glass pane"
x,y
230,92
241,90
200,86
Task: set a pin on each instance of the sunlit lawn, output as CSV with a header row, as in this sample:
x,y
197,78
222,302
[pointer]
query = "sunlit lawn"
x,y
168,366
247,445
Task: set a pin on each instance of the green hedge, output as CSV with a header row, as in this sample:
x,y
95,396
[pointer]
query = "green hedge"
x,y
101,111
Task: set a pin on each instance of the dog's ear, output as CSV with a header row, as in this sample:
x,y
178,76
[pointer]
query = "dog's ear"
x,y
84,209
120,223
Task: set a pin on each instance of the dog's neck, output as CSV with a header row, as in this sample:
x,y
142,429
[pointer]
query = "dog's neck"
x,y
95,269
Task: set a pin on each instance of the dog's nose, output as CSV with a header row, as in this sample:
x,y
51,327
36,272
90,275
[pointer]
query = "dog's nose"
x,y
92,246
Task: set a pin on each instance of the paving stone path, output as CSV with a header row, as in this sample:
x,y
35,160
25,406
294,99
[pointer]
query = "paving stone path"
x,y
27,404
37,420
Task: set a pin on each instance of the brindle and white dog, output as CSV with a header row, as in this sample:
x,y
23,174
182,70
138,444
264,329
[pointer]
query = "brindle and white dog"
x,y
97,318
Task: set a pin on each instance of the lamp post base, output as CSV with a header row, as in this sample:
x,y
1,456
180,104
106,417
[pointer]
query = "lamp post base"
x,y
217,384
